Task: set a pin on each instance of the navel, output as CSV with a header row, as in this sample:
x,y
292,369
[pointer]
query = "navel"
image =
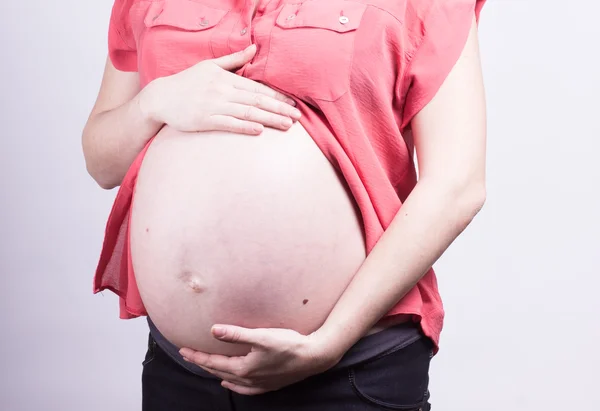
x,y
192,281
195,285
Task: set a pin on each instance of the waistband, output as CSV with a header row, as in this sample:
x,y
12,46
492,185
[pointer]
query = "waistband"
x,y
367,348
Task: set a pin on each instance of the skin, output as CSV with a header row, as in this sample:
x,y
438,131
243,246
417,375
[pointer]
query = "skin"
x,y
205,97
217,216
450,141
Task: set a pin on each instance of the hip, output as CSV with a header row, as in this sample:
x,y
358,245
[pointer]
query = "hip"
x,y
387,370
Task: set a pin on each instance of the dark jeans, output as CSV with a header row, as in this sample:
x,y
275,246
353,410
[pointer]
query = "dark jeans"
x,y
396,380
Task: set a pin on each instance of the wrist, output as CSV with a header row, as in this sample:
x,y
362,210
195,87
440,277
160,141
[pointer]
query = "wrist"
x,y
149,101
329,346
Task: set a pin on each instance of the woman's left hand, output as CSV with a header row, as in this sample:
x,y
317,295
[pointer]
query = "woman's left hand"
x,y
278,357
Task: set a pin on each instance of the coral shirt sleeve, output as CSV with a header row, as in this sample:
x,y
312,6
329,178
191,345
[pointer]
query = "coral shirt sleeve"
x,y
121,43
438,31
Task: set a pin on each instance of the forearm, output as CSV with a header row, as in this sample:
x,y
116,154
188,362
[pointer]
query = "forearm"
x,y
113,138
428,222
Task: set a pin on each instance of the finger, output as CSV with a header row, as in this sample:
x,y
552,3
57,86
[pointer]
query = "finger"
x,y
232,365
243,83
240,389
257,115
236,60
256,337
235,125
229,377
265,103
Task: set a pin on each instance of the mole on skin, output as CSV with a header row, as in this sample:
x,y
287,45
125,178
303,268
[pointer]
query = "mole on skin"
x,y
305,301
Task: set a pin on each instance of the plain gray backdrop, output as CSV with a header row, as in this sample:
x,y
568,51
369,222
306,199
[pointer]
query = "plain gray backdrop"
x,y
520,285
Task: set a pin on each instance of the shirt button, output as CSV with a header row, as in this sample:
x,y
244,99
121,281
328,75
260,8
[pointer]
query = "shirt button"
x,y
244,31
203,23
291,17
344,19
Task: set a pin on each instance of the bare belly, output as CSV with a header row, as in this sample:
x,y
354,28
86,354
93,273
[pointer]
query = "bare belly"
x,y
252,231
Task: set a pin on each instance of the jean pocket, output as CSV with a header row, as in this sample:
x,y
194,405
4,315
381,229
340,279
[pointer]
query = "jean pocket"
x,y
151,352
397,380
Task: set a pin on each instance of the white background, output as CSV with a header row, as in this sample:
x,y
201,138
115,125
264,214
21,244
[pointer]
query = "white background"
x,y
520,286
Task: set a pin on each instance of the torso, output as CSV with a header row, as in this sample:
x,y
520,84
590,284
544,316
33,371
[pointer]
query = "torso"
x,y
253,231
258,225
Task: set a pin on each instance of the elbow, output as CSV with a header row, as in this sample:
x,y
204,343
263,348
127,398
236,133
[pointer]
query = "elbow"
x,y
101,178
104,181
461,198
106,185
469,200
475,199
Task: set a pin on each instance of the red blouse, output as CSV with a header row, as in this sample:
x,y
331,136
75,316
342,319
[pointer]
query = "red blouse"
x,y
359,70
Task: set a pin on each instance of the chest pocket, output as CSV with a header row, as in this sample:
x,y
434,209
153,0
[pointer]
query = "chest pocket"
x,y
173,35
311,48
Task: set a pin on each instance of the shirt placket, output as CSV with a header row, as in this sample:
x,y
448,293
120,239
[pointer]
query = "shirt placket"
x,y
244,32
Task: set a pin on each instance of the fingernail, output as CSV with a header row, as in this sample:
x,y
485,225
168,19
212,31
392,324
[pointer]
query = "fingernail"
x,y
185,359
287,122
292,102
219,331
296,114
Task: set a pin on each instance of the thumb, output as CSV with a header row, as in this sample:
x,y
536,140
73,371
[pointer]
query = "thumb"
x,y
236,60
238,335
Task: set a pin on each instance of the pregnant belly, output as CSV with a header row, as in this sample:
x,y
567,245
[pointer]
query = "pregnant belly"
x,y
252,231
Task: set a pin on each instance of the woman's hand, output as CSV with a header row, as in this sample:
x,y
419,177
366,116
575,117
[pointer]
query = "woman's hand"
x,y
208,96
278,358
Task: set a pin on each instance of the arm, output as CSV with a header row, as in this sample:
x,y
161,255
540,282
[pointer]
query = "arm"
x,y
117,128
204,97
449,136
447,117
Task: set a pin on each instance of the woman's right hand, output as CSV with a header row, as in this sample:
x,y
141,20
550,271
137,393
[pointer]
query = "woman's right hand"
x,y
209,97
